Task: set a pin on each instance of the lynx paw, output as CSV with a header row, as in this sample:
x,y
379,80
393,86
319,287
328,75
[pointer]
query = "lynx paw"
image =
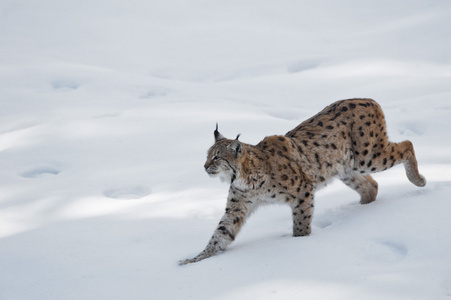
x,y
421,181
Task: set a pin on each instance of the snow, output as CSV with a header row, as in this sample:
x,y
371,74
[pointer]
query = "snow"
x,y
108,109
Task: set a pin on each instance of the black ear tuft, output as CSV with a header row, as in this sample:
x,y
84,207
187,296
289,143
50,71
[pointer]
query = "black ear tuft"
x,y
218,136
238,136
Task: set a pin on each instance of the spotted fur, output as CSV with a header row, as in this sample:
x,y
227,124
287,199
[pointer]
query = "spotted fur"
x,y
348,140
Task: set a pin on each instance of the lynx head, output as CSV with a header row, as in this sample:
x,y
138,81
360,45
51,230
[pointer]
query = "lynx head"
x,y
223,156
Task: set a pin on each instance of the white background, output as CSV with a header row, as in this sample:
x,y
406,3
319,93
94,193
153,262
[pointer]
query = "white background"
x,y
107,109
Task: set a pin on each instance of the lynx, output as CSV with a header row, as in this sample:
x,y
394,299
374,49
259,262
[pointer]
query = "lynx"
x,y
348,140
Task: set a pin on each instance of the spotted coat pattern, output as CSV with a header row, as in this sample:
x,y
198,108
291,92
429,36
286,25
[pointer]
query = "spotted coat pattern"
x,y
347,139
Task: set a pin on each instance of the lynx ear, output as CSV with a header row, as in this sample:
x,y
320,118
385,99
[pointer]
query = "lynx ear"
x,y
235,148
218,136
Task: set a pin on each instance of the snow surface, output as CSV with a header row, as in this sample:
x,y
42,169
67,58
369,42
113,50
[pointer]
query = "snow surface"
x,y
108,109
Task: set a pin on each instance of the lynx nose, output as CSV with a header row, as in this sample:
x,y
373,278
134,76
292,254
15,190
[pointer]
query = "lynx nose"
x,y
206,166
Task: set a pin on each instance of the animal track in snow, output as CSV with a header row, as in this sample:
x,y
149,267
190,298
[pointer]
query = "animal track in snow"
x,y
65,85
131,192
300,66
386,251
322,223
39,172
284,113
413,128
154,93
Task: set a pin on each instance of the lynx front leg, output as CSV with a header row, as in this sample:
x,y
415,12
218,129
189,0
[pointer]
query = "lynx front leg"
x,y
237,211
302,209
221,238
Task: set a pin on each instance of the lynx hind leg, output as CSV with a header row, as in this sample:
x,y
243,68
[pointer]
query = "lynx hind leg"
x,y
391,154
411,164
365,185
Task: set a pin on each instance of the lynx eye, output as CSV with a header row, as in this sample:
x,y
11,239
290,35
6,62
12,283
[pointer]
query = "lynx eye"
x,y
215,158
